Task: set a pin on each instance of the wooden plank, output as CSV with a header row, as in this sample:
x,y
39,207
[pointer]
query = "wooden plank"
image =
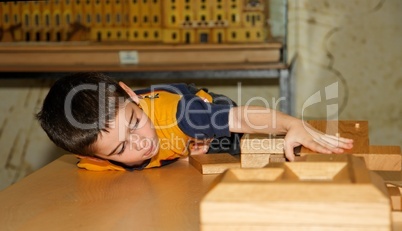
x,y
93,55
145,58
214,163
356,130
380,158
141,68
88,46
383,158
327,191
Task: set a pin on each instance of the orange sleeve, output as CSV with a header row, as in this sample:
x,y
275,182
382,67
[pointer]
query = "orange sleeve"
x,y
93,164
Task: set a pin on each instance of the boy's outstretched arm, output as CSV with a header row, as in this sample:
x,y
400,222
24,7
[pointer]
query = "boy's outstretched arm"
x,y
254,119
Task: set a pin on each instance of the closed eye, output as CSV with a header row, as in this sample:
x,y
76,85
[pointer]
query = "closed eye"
x,y
123,147
135,125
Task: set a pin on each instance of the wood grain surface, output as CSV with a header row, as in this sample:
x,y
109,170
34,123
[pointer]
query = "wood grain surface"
x,y
62,197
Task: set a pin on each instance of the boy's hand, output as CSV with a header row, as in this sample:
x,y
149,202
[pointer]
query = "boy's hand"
x,y
199,146
300,133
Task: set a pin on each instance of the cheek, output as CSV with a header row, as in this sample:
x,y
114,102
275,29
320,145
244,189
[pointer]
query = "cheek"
x,y
149,128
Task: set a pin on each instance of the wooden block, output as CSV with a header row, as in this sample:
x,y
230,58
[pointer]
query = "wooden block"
x,y
327,192
277,158
214,163
257,150
259,160
254,160
395,196
396,220
356,130
383,158
380,158
391,177
260,143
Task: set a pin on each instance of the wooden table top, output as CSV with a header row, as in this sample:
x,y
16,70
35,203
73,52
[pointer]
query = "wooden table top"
x,y
62,197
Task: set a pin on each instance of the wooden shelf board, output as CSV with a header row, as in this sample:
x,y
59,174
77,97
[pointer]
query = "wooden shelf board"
x,y
140,68
27,57
87,46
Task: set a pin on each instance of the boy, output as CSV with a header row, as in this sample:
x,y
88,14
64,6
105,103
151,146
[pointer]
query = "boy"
x,y
111,127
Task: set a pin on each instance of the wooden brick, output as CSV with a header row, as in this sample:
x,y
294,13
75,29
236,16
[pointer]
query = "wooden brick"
x,y
327,192
260,143
396,220
383,158
395,196
380,158
259,160
214,163
254,160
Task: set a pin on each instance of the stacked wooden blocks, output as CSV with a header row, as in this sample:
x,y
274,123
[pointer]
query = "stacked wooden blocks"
x,y
317,192
327,192
258,150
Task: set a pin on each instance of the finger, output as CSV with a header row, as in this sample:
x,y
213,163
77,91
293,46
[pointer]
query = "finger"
x,y
289,153
337,143
319,145
340,139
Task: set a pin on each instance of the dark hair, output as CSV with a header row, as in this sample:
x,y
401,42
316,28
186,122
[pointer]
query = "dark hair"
x,y
78,107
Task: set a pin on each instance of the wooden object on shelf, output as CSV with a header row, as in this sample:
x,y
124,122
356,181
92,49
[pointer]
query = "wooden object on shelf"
x,y
214,163
326,191
135,21
356,130
13,56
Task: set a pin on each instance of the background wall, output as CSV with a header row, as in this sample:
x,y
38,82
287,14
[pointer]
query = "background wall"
x,y
357,45
354,44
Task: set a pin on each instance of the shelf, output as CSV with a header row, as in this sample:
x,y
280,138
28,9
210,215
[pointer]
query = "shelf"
x,y
201,61
28,57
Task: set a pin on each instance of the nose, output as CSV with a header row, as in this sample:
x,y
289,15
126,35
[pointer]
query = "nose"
x,y
139,142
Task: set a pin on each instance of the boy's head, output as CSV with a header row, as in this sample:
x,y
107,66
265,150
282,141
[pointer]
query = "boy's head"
x,y
91,114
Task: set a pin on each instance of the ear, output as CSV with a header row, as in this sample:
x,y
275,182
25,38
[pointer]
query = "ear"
x,y
130,92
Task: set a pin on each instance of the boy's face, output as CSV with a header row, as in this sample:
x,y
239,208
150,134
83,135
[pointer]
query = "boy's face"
x,y
131,138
